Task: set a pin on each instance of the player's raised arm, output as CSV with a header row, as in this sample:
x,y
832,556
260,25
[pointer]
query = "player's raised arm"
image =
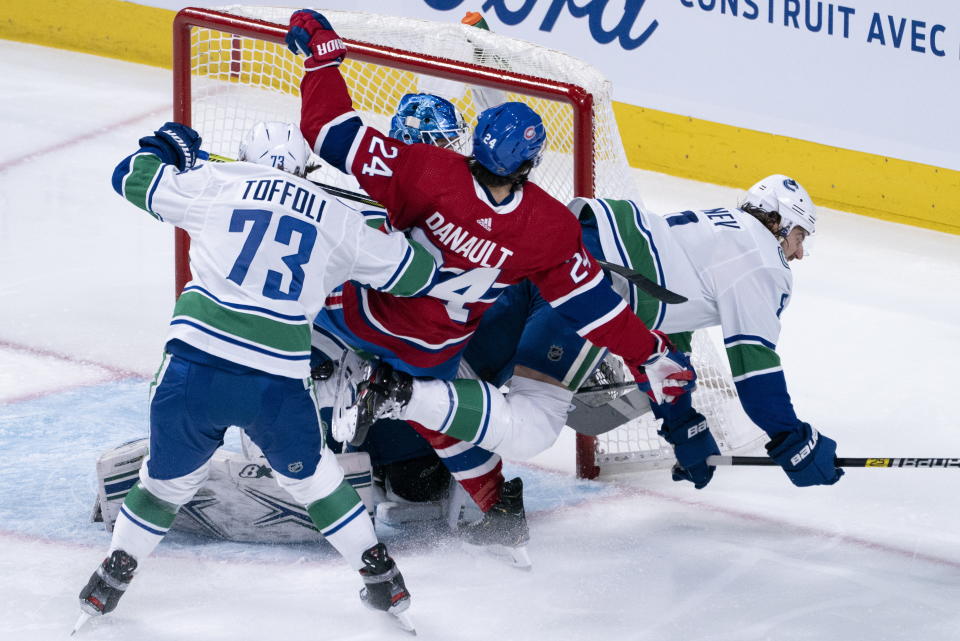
x,y
171,149
327,119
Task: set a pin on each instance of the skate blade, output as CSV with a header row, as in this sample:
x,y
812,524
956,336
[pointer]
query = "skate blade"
x,y
84,617
515,557
404,622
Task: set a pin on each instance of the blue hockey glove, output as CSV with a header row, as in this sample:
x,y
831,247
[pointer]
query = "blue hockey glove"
x,y
311,35
692,444
806,456
174,144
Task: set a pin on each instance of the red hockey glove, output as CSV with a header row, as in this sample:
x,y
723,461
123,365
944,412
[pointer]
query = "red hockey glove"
x,y
667,374
311,35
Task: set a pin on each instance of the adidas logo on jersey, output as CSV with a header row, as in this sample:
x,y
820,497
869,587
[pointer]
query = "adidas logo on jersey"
x,y
486,223
479,251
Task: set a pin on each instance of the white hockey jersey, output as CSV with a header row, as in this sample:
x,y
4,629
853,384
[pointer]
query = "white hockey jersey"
x,y
266,249
729,267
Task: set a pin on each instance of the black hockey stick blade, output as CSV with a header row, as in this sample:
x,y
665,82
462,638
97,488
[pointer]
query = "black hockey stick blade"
x,y
844,462
339,192
644,284
593,417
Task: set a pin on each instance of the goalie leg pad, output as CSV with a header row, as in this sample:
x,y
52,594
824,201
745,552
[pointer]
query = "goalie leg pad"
x,y
238,501
118,470
126,467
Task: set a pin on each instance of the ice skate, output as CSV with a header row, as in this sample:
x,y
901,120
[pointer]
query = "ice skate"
x,y
351,371
383,395
384,589
503,531
105,587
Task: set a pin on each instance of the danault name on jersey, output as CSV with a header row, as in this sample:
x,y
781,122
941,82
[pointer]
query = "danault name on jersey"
x,y
479,251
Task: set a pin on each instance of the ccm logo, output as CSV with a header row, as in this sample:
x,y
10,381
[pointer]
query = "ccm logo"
x,y
802,454
696,429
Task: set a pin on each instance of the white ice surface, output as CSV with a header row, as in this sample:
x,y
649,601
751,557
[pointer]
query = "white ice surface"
x,y
870,347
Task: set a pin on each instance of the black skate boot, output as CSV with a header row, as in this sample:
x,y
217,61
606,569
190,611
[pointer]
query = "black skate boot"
x,y
106,586
384,588
503,529
383,395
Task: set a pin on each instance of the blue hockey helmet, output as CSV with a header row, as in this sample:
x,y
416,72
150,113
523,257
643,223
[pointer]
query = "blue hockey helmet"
x,y
424,117
507,136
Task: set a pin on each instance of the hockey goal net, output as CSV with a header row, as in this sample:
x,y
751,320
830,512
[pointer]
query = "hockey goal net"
x,y
232,69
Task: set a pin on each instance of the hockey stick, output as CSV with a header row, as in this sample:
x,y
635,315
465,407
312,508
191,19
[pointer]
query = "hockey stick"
x,y
336,191
608,387
645,284
843,462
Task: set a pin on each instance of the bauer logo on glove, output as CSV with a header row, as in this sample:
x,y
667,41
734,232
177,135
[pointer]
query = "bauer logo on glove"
x,y
805,451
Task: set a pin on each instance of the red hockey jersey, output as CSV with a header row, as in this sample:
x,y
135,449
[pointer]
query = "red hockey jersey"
x,y
481,247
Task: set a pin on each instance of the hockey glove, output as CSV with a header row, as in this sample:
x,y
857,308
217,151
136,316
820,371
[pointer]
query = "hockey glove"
x,y
807,456
174,144
311,35
687,431
667,374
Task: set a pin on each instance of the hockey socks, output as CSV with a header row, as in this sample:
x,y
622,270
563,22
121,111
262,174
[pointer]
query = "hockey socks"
x,y
460,409
478,471
343,520
519,425
143,521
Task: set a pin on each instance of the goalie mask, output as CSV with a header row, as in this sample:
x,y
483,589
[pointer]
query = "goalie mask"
x,y
430,119
276,144
779,194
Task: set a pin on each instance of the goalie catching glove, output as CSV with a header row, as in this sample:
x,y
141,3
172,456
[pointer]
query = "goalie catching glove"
x,y
174,144
667,374
311,35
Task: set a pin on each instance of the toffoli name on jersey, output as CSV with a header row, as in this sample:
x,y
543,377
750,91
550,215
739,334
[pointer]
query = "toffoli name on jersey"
x,y
284,193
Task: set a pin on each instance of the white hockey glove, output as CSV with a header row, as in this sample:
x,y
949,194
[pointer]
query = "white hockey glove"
x,y
667,374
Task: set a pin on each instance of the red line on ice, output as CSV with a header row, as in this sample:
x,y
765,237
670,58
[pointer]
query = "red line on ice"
x,y
59,146
626,491
113,373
